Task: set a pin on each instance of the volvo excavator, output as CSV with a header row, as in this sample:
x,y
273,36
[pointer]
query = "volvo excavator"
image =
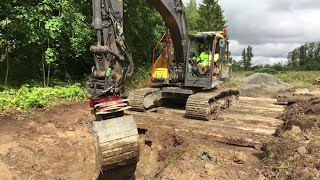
x,y
175,72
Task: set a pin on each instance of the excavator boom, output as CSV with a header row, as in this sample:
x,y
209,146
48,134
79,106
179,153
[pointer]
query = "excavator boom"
x,y
114,132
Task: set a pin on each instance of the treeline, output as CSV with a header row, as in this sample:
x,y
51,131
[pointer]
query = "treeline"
x,y
305,57
206,16
49,40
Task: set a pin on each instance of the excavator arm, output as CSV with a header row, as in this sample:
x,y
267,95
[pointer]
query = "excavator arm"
x,y
114,132
109,74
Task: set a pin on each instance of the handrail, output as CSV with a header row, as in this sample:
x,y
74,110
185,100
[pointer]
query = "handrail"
x,y
214,53
153,55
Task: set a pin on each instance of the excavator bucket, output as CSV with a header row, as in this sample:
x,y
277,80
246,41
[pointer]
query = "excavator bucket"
x,y
116,142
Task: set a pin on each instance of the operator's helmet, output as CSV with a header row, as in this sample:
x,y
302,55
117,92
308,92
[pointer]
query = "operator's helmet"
x,y
206,48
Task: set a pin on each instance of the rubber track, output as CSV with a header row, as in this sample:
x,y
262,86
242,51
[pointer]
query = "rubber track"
x,y
207,105
136,98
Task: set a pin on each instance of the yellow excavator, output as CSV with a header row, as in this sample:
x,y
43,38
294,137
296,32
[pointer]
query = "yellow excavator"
x,y
176,72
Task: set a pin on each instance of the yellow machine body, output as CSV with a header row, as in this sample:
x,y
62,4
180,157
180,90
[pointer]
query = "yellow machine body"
x,y
161,67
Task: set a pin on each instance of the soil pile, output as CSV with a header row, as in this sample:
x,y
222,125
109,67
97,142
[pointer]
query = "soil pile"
x,y
53,144
264,79
262,85
294,153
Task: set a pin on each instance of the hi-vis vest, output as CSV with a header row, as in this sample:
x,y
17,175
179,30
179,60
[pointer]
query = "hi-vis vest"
x,y
205,59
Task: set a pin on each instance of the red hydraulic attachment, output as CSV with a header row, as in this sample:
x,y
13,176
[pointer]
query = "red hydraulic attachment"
x,y
103,100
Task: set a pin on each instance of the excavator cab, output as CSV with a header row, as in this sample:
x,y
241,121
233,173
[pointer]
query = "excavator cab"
x,y
206,73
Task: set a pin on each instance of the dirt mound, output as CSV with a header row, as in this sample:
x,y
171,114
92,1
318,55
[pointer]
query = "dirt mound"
x,y
294,153
264,79
52,144
263,85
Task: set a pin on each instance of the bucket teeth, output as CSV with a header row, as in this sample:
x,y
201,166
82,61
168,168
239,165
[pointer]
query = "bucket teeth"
x,y
116,141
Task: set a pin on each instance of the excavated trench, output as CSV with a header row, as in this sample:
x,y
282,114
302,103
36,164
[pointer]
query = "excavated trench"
x,y
57,143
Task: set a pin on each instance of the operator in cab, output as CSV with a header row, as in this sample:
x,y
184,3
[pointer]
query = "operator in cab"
x,y
204,60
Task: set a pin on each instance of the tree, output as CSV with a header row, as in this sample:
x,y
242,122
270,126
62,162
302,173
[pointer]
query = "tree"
x,y
45,35
192,16
302,55
52,38
211,16
247,58
244,59
236,65
142,31
306,57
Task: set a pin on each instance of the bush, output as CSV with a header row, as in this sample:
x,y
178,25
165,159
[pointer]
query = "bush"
x,y
267,70
27,97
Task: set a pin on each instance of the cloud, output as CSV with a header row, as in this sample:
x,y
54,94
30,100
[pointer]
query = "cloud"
x,y
267,49
291,5
271,27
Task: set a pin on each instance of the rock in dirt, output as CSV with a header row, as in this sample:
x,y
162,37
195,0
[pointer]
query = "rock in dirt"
x,y
261,177
209,166
301,91
239,158
296,129
302,150
206,156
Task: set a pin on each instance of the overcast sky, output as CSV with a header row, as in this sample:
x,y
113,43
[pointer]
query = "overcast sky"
x,y
271,27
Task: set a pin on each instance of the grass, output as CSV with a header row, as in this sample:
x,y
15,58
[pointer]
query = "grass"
x,y
270,156
169,161
242,73
231,83
20,118
284,166
298,79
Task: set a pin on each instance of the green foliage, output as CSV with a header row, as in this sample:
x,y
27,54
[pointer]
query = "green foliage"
x,y
284,166
169,161
143,27
247,58
234,83
236,65
211,16
43,32
20,118
305,79
28,97
266,70
140,78
193,16
306,56
243,73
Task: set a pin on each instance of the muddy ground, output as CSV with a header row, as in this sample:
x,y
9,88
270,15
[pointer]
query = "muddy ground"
x,y
295,151
57,144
